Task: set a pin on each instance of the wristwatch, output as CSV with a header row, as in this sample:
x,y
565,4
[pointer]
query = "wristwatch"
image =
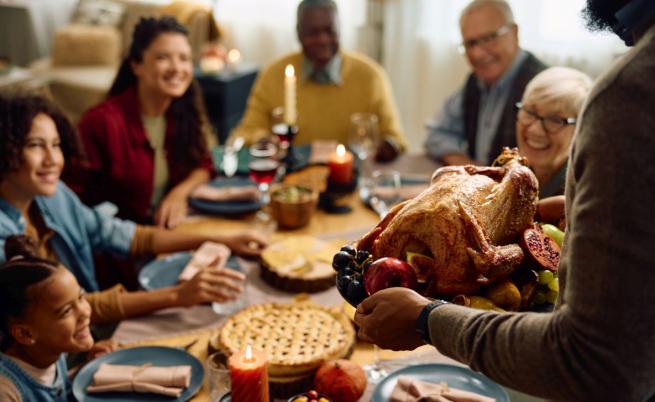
x,y
422,321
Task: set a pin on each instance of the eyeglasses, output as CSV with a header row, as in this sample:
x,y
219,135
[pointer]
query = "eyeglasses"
x,y
484,40
549,124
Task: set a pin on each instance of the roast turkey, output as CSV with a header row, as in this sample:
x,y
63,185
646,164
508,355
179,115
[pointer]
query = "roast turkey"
x,y
464,228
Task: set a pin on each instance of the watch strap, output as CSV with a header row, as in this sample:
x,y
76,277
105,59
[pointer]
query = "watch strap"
x,y
422,322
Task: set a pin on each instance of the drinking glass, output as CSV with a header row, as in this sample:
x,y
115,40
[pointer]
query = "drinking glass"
x,y
364,135
384,191
218,376
263,167
230,307
374,371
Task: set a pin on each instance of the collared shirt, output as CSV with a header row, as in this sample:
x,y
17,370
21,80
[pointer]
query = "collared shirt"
x,y
330,74
79,230
446,130
492,103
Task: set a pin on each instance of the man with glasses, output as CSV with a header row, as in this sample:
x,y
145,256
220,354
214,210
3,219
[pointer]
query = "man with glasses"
x,y
598,343
332,86
479,119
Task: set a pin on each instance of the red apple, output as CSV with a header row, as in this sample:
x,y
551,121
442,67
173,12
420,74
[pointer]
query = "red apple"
x,y
388,272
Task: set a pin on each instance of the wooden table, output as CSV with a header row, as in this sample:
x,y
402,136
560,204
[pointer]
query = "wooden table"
x,y
149,330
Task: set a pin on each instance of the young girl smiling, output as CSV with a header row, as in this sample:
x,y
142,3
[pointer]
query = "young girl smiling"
x,y
43,315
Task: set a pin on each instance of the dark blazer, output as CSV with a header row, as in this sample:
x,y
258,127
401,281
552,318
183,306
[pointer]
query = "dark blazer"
x,y
506,133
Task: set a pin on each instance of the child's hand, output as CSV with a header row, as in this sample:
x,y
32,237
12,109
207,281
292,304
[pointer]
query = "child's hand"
x,y
100,348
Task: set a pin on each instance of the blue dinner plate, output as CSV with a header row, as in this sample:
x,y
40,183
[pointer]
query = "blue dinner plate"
x,y
227,207
164,272
456,376
155,355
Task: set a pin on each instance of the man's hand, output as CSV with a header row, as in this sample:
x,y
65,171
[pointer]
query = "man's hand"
x,y
387,151
388,318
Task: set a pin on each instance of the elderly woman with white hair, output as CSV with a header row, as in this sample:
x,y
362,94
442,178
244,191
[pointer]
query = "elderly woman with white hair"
x,y
545,124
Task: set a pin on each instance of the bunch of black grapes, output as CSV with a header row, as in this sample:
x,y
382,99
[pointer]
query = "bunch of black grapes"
x,y
350,265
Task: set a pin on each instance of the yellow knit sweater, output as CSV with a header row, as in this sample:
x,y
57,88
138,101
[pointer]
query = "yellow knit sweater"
x,y
323,110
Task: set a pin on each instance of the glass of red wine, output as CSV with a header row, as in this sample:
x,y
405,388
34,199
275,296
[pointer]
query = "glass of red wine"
x,y
263,167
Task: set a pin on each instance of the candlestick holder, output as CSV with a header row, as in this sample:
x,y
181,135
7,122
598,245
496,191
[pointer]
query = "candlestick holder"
x,y
286,134
329,200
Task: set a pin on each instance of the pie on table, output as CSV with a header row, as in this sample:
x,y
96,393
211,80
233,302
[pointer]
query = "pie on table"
x,y
300,264
296,337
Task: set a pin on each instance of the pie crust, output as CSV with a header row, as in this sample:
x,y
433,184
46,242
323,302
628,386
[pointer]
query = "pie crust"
x,y
296,337
300,264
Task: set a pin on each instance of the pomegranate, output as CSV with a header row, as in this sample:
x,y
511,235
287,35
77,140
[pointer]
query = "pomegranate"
x,y
340,380
540,248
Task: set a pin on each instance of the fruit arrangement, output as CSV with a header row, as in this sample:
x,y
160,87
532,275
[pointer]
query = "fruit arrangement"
x,y
358,276
311,396
533,283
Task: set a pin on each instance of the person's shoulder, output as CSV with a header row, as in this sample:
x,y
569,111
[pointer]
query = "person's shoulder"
x,y
109,108
628,75
361,61
278,65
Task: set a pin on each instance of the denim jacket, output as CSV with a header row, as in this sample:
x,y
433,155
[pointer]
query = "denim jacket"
x,y
32,391
79,231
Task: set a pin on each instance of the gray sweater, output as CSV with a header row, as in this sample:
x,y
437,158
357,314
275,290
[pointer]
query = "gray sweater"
x,y
599,344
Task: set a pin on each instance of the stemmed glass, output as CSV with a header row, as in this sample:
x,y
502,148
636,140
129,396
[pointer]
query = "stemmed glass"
x,y
385,191
263,167
364,134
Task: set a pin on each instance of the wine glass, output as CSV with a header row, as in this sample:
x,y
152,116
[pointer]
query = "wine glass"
x,y
385,191
263,167
364,135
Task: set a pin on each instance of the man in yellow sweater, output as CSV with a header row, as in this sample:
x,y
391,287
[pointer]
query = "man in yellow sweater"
x,y
332,85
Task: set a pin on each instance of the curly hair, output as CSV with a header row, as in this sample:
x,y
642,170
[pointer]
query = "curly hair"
x,y
22,270
188,111
17,111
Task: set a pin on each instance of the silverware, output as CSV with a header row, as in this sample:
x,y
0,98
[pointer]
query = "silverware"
x,y
231,156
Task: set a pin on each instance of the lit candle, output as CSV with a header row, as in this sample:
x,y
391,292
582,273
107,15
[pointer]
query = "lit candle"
x,y
341,166
289,95
233,57
249,376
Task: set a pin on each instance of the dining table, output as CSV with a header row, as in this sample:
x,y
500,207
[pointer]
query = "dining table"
x,y
193,327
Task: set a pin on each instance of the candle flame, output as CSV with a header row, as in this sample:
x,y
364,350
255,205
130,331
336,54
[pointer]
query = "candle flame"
x,y
233,56
289,71
341,150
249,356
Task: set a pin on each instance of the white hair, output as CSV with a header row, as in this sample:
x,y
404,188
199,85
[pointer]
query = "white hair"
x,y
565,87
500,5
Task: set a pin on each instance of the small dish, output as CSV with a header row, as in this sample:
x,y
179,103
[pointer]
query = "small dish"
x,y
306,397
293,206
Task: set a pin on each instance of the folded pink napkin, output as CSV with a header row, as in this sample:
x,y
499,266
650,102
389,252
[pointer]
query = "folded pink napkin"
x,y
210,193
169,381
408,389
209,254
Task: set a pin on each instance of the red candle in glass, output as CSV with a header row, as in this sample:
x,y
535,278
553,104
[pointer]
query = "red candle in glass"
x,y
249,376
341,166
